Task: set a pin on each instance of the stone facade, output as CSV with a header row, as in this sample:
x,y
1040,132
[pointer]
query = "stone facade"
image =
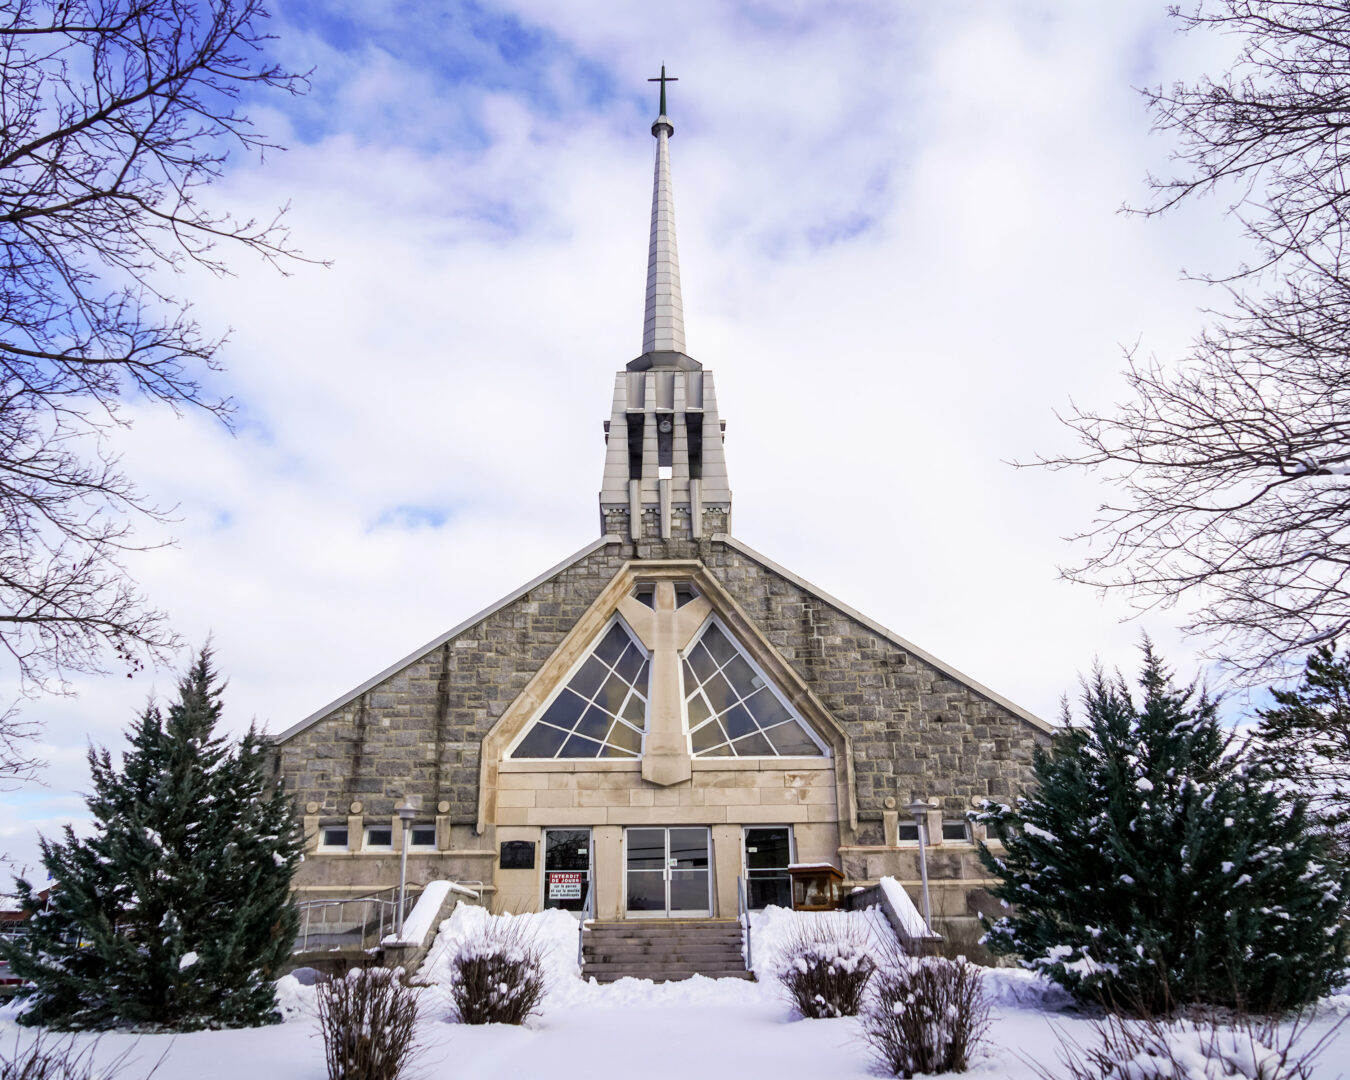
x,y
907,727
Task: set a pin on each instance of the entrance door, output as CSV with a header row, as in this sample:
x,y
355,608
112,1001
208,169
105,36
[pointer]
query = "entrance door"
x,y
768,854
667,873
567,868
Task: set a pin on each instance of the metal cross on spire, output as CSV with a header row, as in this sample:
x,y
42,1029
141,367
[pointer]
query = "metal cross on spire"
x,y
663,79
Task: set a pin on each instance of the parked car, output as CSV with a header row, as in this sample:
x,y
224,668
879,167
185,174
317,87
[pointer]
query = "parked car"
x,y
9,984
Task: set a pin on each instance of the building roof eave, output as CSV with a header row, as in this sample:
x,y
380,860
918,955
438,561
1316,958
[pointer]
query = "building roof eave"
x,y
338,703
908,646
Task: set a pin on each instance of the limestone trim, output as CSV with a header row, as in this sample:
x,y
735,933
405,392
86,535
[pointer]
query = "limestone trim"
x,y
541,686
908,646
417,654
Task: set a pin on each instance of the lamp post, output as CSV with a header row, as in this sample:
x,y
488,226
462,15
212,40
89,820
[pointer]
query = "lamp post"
x,y
919,809
406,812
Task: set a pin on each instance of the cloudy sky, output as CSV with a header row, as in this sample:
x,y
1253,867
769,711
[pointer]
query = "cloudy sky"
x,y
901,250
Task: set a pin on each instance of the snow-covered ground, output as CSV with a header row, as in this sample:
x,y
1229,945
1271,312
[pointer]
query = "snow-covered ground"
x,y
700,1027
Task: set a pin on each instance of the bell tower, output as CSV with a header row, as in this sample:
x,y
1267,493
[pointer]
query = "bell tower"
x,y
665,472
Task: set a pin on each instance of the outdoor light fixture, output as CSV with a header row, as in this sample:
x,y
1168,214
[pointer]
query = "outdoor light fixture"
x,y
406,812
919,809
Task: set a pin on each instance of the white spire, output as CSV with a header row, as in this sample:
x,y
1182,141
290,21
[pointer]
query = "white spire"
x,y
663,326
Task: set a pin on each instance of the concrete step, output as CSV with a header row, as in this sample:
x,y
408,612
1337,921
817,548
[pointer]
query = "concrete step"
x,y
662,956
610,975
663,950
664,938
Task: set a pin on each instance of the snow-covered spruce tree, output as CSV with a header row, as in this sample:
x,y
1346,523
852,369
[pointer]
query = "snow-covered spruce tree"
x,y
1149,867
1305,742
176,913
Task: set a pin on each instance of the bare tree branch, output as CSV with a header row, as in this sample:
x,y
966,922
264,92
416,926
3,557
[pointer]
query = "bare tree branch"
x,y
113,115
1231,471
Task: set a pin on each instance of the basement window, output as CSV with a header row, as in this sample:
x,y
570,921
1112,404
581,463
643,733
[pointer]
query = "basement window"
x,y
907,832
333,838
379,838
422,836
957,832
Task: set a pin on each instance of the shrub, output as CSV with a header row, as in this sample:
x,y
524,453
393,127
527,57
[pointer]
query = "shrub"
x,y
926,1015
826,968
46,1058
497,976
1235,1046
367,1020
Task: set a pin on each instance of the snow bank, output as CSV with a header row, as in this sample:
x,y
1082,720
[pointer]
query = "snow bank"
x,y
773,930
910,919
555,932
1016,988
418,924
295,1000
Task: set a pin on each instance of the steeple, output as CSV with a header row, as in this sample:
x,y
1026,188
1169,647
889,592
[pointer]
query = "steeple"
x,y
663,325
665,475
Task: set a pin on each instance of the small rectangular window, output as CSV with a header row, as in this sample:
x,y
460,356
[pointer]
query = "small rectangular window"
x,y
380,836
907,832
333,836
422,836
955,831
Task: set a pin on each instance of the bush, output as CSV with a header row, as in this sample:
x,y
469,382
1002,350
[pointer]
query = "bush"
x,y
46,1058
1233,1046
497,976
367,1020
826,967
926,1015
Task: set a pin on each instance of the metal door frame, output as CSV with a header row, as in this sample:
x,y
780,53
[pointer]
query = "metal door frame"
x,y
588,882
667,913
745,854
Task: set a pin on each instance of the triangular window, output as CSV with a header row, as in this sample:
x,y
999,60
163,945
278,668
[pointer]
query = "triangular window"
x,y
601,711
733,710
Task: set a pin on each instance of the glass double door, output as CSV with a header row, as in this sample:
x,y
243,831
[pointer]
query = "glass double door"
x,y
667,873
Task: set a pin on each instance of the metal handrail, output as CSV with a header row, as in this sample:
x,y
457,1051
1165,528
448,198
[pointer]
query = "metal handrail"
x,y
587,912
372,912
743,917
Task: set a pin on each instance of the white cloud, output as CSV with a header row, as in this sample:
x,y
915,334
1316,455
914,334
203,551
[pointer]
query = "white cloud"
x,y
900,252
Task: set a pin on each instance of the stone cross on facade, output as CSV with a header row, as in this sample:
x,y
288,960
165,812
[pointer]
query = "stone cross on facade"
x,y
665,631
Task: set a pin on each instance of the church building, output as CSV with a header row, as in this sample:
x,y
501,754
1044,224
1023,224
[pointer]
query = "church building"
x,y
664,713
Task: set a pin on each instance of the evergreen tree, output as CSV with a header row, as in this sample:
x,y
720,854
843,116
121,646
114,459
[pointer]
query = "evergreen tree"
x,y
1150,866
176,914
1305,742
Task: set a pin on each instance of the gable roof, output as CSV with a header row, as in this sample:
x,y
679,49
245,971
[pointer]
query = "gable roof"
x,y
745,549
881,631
436,642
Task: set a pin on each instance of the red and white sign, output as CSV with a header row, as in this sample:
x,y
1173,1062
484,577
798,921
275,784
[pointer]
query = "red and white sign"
x,y
564,885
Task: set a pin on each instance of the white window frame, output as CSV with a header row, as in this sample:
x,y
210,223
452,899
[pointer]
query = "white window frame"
x,y
324,845
565,681
965,836
421,825
901,841
769,684
366,845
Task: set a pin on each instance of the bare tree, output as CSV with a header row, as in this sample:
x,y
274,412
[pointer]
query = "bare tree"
x,y
1232,470
114,115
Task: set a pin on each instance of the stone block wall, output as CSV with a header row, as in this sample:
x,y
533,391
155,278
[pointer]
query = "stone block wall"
x,y
916,730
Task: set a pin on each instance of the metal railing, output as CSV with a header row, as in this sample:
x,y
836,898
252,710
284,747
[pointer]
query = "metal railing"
x,y
587,913
358,923
743,917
